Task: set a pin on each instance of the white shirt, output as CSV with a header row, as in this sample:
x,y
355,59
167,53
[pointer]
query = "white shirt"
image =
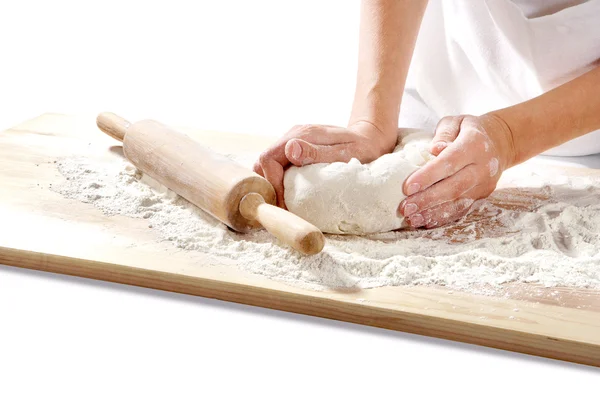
x,y
475,56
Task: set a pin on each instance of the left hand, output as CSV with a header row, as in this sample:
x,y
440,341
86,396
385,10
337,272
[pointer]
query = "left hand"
x,y
472,152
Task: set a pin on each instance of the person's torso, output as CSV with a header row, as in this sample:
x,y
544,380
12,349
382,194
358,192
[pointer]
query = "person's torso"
x,y
476,56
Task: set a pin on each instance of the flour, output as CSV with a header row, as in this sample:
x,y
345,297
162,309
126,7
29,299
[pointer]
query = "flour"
x,y
548,234
493,166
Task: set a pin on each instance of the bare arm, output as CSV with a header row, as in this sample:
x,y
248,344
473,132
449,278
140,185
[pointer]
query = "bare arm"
x,y
564,113
473,151
388,32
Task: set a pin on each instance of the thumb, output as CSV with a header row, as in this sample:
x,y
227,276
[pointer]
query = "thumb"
x,y
300,152
445,133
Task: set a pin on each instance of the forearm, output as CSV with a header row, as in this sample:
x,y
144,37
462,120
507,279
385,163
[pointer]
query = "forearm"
x,y
564,113
388,32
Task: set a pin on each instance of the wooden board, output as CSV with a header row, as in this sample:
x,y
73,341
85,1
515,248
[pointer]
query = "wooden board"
x,y
42,230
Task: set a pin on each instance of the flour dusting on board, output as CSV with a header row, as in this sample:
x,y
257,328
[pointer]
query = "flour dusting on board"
x,y
540,229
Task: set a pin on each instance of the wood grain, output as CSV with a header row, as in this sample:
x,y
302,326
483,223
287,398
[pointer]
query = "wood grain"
x,y
44,231
209,180
113,125
205,178
291,229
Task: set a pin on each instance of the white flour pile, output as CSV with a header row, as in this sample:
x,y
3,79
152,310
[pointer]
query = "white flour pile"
x,y
553,240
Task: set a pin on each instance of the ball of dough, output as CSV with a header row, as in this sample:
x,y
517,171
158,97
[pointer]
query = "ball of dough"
x,y
355,198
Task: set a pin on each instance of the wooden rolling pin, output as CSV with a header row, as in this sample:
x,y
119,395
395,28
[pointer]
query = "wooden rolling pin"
x,y
229,192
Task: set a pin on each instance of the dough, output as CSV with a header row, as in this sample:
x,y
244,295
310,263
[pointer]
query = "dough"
x,y
355,198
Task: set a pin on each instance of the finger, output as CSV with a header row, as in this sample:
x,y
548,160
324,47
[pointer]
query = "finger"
x,y
276,152
446,213
300,152
313,134
273,161
273,172
257,168
445,133
448,163
444,191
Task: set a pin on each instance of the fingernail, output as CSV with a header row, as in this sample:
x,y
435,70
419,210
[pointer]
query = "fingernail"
x,y
412,189
410,209
416,220
296,150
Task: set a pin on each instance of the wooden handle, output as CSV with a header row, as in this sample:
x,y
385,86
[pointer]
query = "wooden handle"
x,y
226,190
113,125
287,227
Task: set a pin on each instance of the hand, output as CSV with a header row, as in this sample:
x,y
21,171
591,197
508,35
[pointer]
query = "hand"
x,y
310,144
472,152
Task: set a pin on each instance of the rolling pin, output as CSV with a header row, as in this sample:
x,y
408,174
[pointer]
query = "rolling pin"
x,y
226,190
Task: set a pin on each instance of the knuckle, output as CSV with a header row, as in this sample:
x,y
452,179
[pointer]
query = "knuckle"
x,y
480,147
444,133
445,120
428,198
295,131
431,218
307,128
428,215
300,130
417,200
449,161
311,153
263,158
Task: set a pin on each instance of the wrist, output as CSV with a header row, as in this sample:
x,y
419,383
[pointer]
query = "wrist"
x,y
502,131
384,140
559,115
377,101
382,118
379,127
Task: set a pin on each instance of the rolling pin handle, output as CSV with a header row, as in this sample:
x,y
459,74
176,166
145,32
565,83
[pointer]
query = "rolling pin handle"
x,y
113,125
287,227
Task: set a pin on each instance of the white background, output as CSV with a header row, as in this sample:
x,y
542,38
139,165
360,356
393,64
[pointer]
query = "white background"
x,y
242,66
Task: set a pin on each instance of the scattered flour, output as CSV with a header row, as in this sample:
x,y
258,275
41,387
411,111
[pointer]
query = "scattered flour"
x,y
541,229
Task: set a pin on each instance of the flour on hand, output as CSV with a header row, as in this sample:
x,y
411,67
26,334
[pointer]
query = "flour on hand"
x,y
355,198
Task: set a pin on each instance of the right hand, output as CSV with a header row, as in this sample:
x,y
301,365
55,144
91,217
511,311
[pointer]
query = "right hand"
x,y
311,144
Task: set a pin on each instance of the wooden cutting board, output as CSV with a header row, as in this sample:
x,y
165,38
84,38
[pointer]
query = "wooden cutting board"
x,y
41,230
